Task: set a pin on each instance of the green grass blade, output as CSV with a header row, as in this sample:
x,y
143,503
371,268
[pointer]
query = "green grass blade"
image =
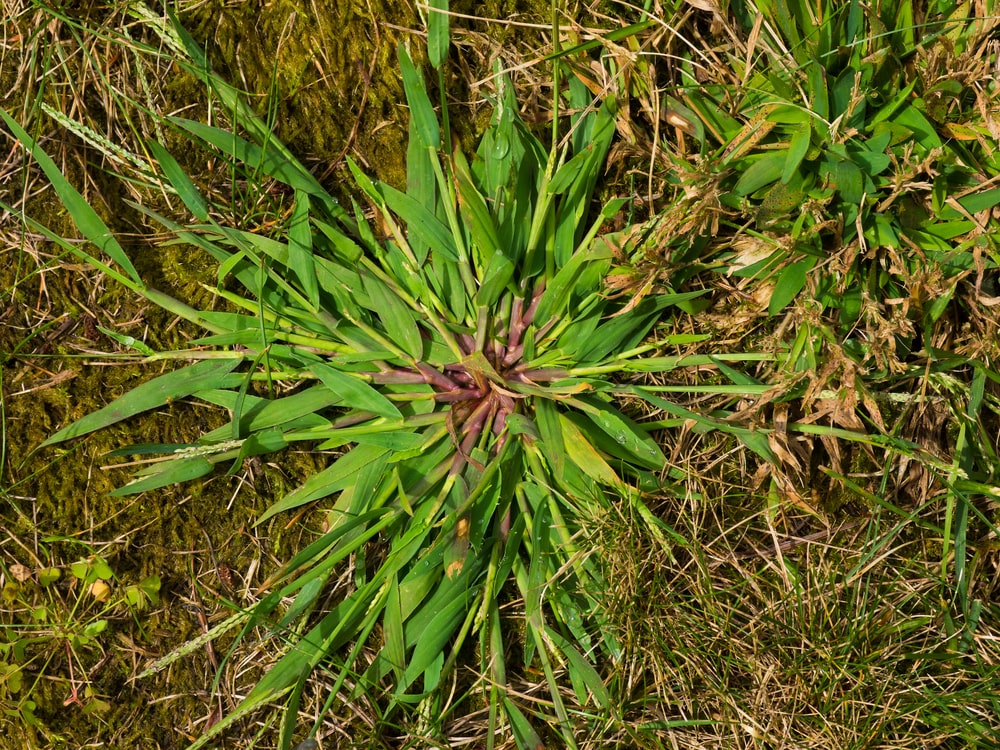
x,y
438,33
83,215
354,392
205,375
398,319
524,735
300,249
791,281
272,161
626,433
177,177
262,414
177,471
425,122
424,227
336,477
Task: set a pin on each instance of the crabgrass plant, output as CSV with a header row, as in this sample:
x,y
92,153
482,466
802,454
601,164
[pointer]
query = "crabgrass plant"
x,y
462,364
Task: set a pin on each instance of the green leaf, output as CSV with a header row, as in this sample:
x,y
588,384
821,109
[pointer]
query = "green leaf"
x,y
558,290
586,681
448,605
761,172
396,316
789,284
796,152
981,201
394,649
498,275
524,735
422,225
485,238
354,392
581,452
911,118
300,251
262,414
626,433
849,180
421,111
338,476
272,161
185,188
177,471
438,38
625,331
205,375
85,217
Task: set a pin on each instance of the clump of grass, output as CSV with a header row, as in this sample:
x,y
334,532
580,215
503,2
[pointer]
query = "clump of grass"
x,y
461,362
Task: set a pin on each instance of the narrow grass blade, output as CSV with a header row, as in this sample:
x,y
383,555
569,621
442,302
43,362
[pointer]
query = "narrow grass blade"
x,y
205,375
177,177
84,216
424,227
524,735
168,473
271,161
626,433
300,250
425,122
354,392
263,414
438,37
336,477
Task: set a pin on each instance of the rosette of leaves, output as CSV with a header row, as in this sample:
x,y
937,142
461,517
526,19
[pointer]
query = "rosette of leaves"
x,y
462,371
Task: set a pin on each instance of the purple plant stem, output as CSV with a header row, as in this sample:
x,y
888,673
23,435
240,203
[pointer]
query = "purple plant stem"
x,y
473,429
458,394
398,376
496,353
436,378
514,353
543,375
536,297
467,342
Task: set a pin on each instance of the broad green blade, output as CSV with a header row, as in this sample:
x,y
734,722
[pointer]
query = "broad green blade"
x,y
581,451
205,375
336,477
300,249
354,392
422,113
398,319
626,433
447,608
791,281
424,228
263,414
